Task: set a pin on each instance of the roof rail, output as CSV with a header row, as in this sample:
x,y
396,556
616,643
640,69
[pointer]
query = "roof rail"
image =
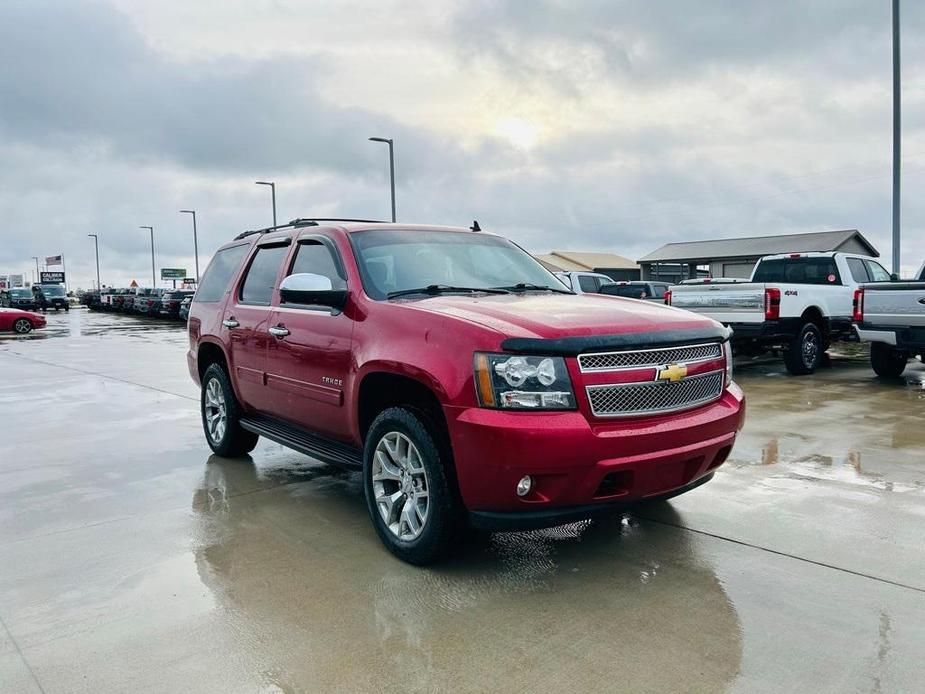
x,y
313,221
304,222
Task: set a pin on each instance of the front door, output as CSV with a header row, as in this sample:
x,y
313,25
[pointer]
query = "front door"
x,y
247,318
308,356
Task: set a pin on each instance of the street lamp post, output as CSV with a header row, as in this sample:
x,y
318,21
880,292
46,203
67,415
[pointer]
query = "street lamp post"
x,y
897,138
195,241
391,145
153,280
96,245
272,192
38,276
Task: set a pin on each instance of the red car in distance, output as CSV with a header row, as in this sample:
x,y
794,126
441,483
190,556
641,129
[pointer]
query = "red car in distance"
x,y
20,322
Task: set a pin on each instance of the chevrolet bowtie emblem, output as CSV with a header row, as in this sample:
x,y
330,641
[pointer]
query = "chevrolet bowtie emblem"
x,y
671,373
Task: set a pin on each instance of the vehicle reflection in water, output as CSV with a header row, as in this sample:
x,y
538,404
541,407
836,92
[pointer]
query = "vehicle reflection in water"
x,y
80,322
309,590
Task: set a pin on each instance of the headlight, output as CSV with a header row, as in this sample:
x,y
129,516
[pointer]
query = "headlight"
x,y
523,383
727,352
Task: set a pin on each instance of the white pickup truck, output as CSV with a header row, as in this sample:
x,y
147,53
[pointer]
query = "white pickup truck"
x,y
891,316
798,301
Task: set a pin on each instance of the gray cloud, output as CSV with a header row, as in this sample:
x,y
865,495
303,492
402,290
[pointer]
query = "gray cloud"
x,y
747,118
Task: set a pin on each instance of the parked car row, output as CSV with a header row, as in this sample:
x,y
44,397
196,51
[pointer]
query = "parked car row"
x,y
40,297
155,303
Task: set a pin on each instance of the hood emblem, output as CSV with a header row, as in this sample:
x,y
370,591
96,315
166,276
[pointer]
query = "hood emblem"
x,y
672,373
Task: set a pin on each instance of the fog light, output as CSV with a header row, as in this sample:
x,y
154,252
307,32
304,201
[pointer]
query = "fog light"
x,y
524,486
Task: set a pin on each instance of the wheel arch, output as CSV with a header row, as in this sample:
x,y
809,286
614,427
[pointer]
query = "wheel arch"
x,y
208,353
381,388
815,315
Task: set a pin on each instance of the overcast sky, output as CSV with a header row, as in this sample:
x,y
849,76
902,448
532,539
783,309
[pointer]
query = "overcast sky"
x,y
596,125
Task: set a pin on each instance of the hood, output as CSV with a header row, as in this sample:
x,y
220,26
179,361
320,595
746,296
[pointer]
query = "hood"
x,y
543,315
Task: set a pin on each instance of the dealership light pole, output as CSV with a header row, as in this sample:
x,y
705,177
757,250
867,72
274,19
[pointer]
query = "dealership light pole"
x,y
153,280
195,241
272,192
391,145
897,137
37,275
96,245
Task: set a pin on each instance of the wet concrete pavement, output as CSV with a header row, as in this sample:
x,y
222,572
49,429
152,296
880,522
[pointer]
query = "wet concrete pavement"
x,y
132,561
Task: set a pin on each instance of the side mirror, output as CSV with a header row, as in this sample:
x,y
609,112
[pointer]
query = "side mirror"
x,y
894,277
312,290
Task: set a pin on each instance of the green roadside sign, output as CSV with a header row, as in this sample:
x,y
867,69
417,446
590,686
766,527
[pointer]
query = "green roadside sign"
x,y
173,273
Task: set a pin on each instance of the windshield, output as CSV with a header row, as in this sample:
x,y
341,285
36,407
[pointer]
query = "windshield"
x,y
52,290
393,261
21,293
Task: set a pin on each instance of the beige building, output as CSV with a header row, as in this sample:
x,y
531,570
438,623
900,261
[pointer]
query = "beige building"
x,y
614,266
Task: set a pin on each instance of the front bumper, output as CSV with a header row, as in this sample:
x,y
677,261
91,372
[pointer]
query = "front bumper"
x,y
576,463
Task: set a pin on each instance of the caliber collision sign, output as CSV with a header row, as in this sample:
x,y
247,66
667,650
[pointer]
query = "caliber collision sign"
x,y
51,277
173,273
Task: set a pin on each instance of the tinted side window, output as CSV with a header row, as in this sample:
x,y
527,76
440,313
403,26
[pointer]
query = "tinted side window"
x,y
588,284
877,273
798,271
316,258
261,275
658,291
218,274
632,291
858,271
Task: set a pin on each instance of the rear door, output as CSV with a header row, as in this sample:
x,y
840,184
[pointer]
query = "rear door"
x,y
247,316
309,356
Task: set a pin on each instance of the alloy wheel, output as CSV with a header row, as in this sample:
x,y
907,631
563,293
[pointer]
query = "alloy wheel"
x,y
22,326
810,349
400,486
216,411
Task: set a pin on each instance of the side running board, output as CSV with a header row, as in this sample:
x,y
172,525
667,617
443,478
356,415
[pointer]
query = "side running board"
x,y
294,437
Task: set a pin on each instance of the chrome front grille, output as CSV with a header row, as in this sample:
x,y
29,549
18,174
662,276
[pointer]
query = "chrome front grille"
x,y
642,358
654,397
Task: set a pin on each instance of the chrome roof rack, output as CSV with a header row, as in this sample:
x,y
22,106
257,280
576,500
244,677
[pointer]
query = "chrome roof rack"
x,y
305,222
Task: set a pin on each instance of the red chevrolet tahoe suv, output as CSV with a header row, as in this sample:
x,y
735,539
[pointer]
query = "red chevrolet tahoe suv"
x,y
463,379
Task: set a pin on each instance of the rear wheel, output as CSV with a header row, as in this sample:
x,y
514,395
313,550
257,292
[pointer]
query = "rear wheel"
x,y
805,350
408,496
886,360
22,326
221,416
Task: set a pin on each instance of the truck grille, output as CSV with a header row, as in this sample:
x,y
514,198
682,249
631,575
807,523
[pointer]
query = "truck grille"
x,y
654,397
635,359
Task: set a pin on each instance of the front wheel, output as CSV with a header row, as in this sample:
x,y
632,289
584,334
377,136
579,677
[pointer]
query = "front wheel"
x,y
22,326
805,350
408,496
221,416
886,360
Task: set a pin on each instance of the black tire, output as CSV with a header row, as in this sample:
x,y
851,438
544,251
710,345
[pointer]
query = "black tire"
x,y
444,510
22,326
234,441
886,360
805,350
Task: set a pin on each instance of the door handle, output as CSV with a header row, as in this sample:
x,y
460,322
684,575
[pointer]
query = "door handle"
x,y
230,323
279,331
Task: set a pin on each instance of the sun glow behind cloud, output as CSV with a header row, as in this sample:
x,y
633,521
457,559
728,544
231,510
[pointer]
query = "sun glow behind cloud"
x,y
520,132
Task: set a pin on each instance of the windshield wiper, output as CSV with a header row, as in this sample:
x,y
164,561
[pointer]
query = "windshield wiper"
x,y
528,286
434,289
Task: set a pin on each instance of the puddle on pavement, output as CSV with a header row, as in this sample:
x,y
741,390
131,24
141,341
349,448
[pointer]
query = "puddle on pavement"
x,y
303,574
